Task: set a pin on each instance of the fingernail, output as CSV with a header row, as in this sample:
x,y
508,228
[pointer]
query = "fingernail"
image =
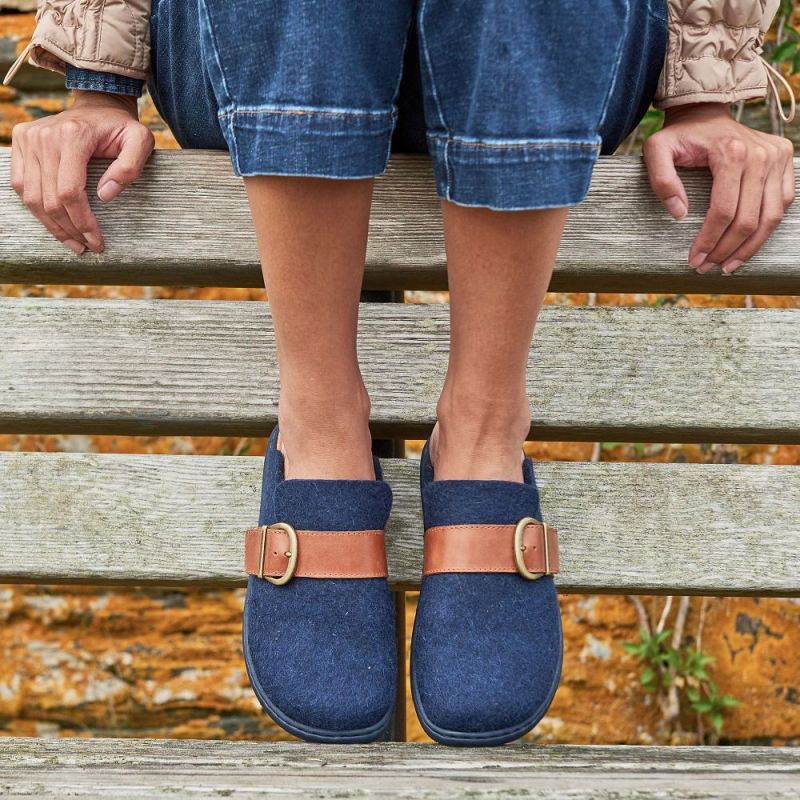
x,y
95,242
676,207
707,267
109,190
698,260
76,247
732,266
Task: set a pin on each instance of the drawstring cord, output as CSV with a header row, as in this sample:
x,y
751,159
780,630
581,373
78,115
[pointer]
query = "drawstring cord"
x,y
21,58
777,92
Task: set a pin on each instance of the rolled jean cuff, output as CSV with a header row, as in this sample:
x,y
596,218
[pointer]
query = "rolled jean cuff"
x,y
324,143
513,175
88,80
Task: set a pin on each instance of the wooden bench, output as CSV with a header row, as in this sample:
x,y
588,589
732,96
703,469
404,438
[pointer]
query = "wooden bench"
x,y
208,368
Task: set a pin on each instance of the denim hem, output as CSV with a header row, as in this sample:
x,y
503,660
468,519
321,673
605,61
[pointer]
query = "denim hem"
x,y
92,81
308,142
513,174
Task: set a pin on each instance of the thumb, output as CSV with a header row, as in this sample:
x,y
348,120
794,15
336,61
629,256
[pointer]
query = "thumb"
x,y
664,181
136,146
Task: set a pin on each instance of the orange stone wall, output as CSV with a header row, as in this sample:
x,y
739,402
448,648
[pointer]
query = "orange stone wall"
x,y
84,661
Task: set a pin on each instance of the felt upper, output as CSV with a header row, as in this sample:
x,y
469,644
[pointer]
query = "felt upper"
x,y
487,648
322,651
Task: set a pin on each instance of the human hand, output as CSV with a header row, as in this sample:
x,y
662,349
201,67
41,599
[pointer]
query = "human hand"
x,y
49,159
752,180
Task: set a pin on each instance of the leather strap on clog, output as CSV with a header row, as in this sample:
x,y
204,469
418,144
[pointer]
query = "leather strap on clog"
x,y
279,553
530,548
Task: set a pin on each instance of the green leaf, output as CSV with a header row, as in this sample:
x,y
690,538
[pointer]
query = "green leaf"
x,y
784,51
648,673
729,702
716,721
693,694
673,659
704,706
787,28
795,64
631,647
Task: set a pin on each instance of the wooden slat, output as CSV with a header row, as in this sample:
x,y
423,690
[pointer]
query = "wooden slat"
x,y
621,374
187,222
641,528
142,768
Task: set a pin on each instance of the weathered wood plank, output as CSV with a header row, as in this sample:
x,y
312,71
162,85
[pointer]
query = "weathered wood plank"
x,y
161,768
641,528
187,222
630,374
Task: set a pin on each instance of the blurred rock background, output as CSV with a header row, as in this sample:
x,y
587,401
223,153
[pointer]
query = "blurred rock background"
x,y
84,661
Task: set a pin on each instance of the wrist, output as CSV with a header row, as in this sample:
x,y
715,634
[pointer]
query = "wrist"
x,y
697,111
87,97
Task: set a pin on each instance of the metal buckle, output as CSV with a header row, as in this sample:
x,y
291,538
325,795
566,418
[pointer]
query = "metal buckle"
x,y
519,549
291,554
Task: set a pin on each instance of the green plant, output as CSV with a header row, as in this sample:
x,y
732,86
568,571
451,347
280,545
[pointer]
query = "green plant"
x,y
680,670
651,122
786,49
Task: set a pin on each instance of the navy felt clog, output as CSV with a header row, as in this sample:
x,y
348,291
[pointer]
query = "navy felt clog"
x,y
487,644
319,624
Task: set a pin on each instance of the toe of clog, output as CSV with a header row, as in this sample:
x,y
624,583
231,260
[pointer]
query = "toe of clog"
x,y
484,668
321,659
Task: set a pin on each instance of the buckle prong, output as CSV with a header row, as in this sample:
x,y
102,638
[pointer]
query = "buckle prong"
x,y
291,554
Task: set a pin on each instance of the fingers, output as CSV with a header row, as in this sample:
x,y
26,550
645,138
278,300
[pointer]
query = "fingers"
x,y
40,155
663,176
50,158
771,214
71,193
745,200
33,198
777,196
727,164
788,183
137,144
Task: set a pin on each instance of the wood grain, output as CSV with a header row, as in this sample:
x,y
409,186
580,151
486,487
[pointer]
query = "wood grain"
x,y
641,528
186,222
141,768
621,374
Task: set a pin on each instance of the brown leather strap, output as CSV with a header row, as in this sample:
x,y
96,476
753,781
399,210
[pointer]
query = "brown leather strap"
x,y
490,548
268,553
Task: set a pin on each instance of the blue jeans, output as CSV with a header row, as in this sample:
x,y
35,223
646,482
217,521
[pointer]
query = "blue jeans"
x,y
513,99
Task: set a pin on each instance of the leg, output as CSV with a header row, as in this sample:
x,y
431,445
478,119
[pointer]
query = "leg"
x,y
499,266
317,104
530,158
514,132
312,237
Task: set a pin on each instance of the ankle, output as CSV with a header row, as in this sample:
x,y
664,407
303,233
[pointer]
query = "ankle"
x,y
326,437
479,442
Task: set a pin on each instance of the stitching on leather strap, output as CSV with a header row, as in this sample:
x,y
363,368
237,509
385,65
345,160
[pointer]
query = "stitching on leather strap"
x,y
529,548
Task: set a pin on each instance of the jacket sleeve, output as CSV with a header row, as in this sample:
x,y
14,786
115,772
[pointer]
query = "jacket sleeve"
x,y
714,51
111,36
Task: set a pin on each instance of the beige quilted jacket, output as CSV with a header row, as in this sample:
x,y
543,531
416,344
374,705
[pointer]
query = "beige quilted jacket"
x,y
713,50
